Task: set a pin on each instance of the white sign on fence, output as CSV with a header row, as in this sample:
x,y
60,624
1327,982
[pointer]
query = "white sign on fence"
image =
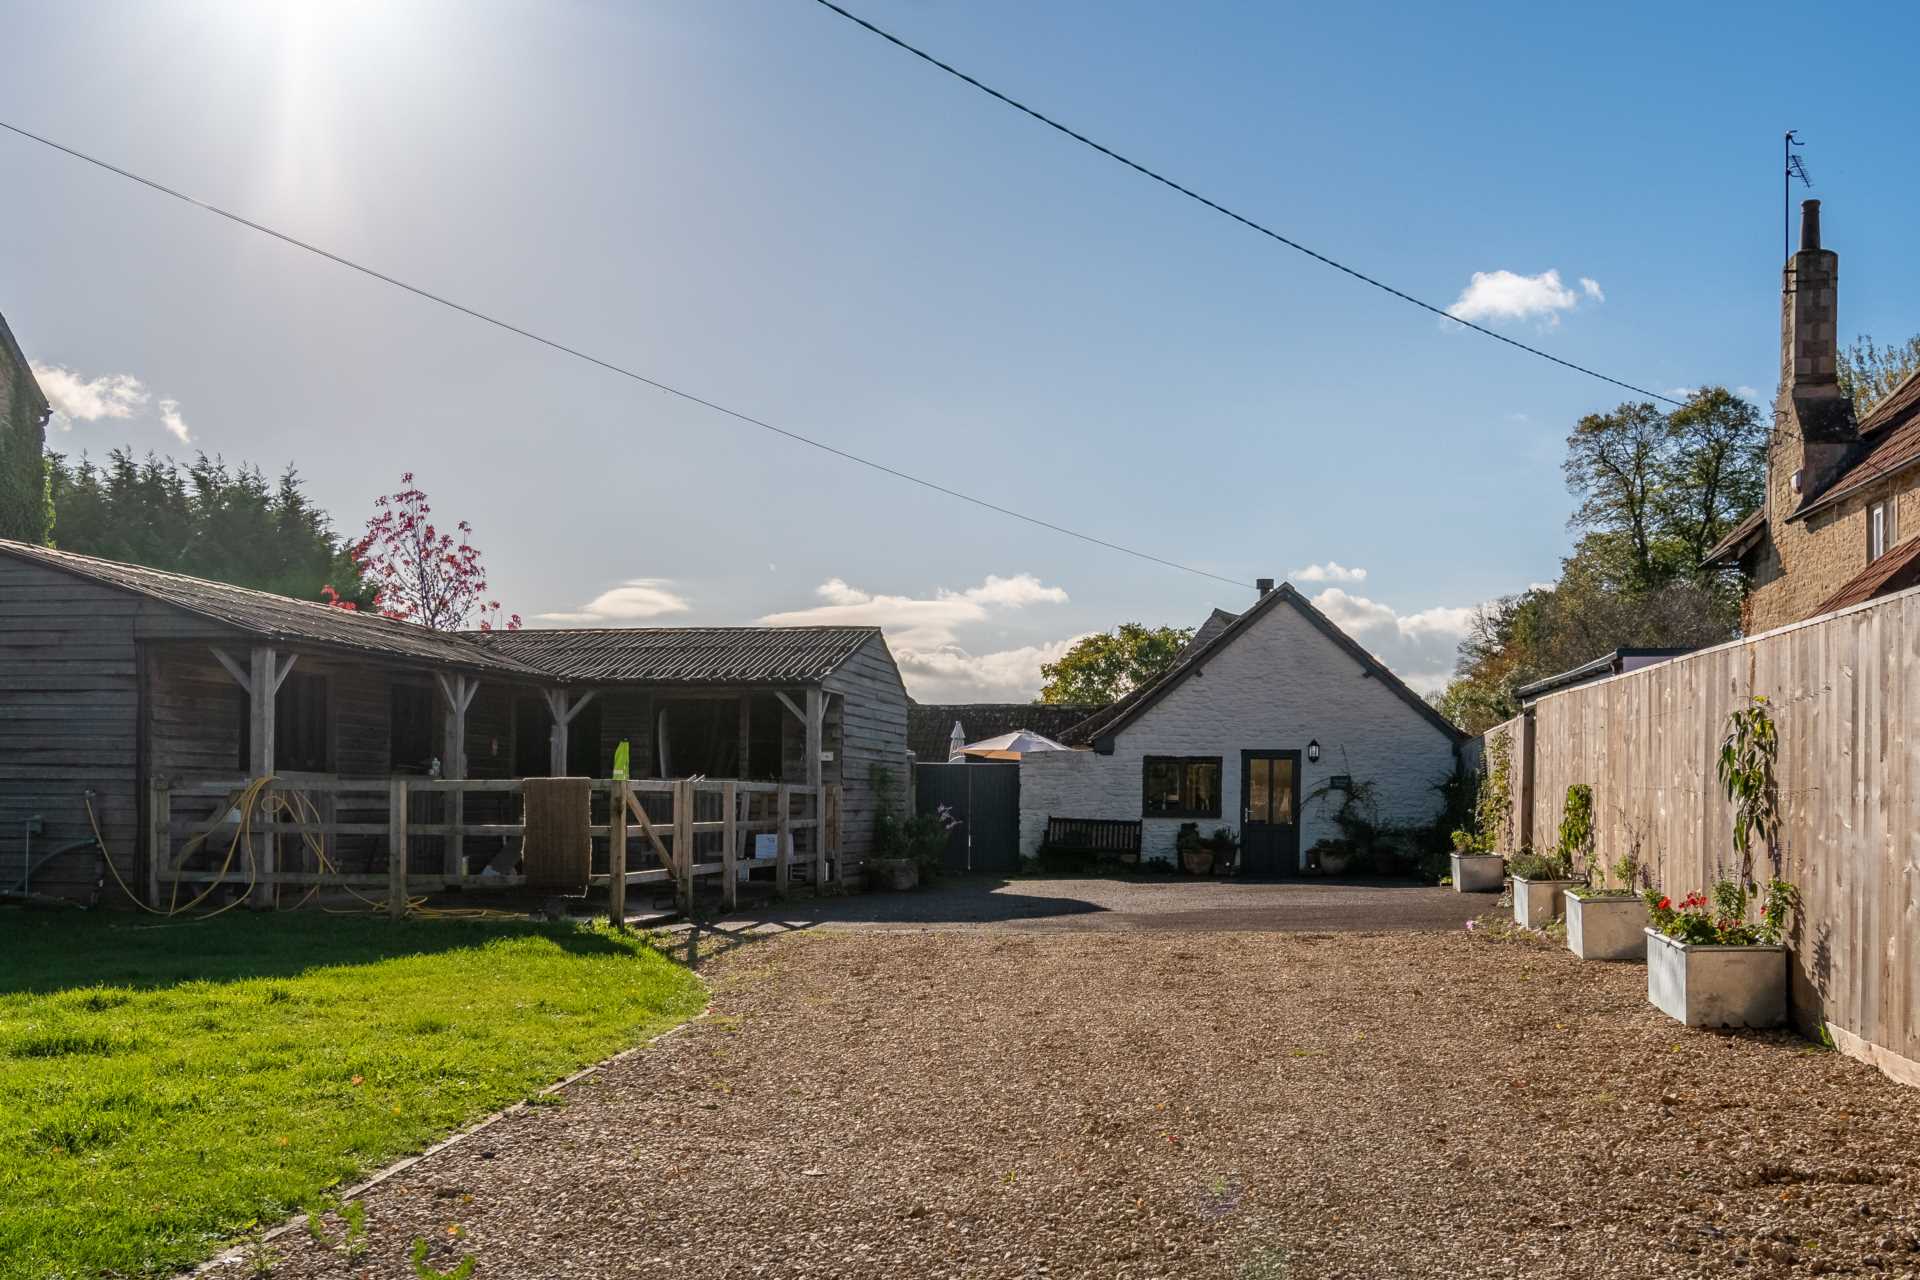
x,y
766,844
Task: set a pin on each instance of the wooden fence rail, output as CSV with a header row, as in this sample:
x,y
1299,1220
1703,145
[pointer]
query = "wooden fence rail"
x,y
1844,694
294,831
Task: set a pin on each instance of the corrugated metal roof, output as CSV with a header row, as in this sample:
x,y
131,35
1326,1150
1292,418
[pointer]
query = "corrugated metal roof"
x,y
276,617
682,655
1897,570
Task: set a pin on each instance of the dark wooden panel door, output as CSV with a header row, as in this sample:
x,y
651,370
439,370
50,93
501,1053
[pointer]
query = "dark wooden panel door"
x,y
986,800
1270,812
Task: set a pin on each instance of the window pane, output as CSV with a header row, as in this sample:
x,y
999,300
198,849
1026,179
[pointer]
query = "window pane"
x,y
1283,791
1203,788
1259,789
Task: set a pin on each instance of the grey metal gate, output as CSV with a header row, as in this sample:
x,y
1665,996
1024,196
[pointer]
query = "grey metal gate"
x,y
986,800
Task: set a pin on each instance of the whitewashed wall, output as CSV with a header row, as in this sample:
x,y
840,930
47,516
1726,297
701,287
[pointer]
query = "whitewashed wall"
x,y
1276,687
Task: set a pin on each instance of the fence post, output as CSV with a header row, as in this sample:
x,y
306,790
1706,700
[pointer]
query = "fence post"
x,y
159,837
821,819
397,849
1523,762
782,868
683,844
617,854
730,871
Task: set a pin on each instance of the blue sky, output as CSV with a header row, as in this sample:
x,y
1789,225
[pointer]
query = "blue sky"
x,y
758,202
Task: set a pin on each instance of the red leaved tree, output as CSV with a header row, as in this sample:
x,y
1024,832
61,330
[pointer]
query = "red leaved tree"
x,y
420,572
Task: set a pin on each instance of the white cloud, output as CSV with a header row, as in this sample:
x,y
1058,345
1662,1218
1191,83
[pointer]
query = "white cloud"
x,y
1418,647
924,633
1331,571
170,419
78,399
1505,295
111,395
951,674
634,600
1746,392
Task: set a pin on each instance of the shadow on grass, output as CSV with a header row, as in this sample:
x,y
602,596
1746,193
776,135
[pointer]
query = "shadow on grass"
x,y
951,900
44,952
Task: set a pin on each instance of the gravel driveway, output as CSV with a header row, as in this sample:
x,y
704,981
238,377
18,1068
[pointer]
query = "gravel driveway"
x,y
1006,1102
1150,902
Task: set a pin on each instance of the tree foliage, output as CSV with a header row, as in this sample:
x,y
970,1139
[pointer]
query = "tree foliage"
x,y
1867,371
1654,491
1107,666
206,519
24,510
422,572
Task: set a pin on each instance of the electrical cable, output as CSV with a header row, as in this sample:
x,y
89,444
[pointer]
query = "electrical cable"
x,y
622,370
1219,208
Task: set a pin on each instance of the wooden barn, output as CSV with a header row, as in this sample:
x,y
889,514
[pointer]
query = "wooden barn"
x,y
120,684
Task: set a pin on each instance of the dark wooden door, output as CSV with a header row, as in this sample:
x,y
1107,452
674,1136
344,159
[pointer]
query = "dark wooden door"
x,y
985,799
1270,812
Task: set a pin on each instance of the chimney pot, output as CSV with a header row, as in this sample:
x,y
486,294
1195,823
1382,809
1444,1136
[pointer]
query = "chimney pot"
x,y
1265,585
1809,226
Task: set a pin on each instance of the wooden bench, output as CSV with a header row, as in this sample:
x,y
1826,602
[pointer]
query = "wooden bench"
x,y
1109,837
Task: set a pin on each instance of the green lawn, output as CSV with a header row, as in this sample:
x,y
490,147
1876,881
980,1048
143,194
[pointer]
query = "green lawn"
x,y
164,1086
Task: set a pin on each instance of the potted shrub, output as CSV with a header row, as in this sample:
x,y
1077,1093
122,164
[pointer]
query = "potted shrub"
x,y
1608,921
1707,966
1196,856
1476,870
1226,851
1479,855
1540,883
1333,857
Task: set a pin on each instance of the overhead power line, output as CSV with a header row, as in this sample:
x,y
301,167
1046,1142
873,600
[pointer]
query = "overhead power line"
x,y
1219,208
622,370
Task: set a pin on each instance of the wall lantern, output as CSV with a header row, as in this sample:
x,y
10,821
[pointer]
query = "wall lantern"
x,y
1313,751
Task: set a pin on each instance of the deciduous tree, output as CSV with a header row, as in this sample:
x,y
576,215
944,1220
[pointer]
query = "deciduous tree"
x,y
422,572
1107,666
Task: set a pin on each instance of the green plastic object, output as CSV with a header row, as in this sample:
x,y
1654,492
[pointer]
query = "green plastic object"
x,y
621,754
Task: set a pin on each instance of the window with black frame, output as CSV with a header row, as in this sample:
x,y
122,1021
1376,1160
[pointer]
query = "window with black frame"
x,y
1180,787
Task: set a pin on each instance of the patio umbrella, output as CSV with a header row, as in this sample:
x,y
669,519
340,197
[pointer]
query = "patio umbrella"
x,y
1010,746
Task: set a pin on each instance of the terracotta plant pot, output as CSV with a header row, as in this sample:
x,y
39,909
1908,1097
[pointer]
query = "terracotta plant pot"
x,y
1335,864
1198,862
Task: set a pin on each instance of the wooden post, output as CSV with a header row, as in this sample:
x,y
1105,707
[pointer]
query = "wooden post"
x,y
617,854
263,682
816,743
459,691
397,849
159,838
743,771
829,832
729,856
1522,763
563,713
683,843
781,867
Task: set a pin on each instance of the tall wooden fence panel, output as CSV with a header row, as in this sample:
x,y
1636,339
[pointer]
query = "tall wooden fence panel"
x,y
1844,693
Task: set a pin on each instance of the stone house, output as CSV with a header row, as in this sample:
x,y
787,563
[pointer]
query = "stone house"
x,y
23,433
1840,523
1259,727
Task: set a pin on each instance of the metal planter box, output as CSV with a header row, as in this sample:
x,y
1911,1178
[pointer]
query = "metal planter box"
x,y
1607,927
1714,986
1536,903
1479,873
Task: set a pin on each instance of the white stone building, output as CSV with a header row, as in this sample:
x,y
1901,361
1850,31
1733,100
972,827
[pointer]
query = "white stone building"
x,y
1229,738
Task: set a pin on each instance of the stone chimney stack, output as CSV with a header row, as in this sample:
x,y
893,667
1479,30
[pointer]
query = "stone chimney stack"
x,y
1816,419
1263,586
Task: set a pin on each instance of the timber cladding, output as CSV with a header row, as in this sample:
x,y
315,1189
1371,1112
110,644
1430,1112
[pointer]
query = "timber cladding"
x,y
1844,693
